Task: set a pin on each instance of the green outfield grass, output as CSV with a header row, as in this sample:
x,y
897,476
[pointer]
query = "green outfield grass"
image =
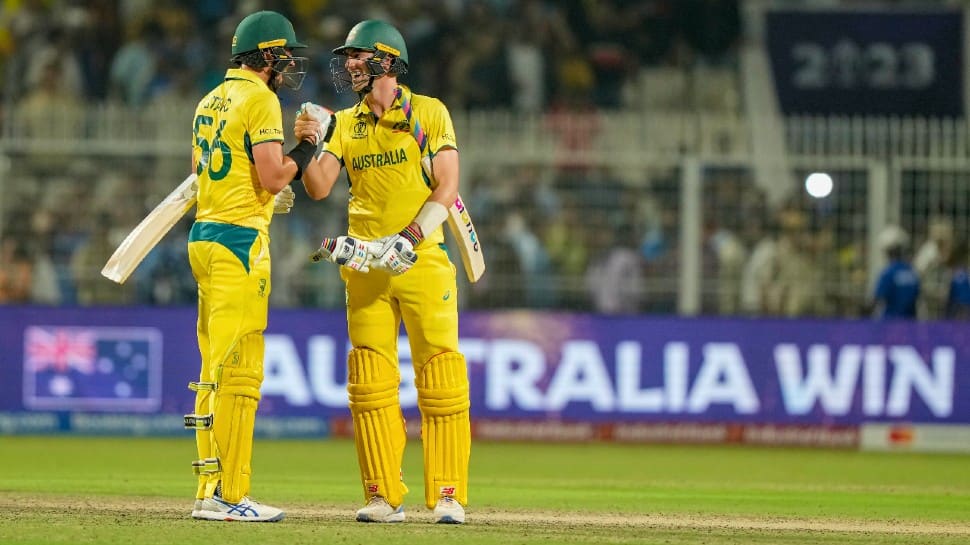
x,y
112,490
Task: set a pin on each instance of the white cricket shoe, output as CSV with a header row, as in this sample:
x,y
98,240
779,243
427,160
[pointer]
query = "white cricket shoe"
x,y
378,510
247,510
449,511
196,508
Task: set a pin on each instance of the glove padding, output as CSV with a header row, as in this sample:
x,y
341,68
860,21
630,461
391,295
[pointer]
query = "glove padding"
x,y
346,251
324,116
283,201
396,252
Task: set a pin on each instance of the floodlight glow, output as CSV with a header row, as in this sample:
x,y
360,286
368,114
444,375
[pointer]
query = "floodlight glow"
x,y
818,185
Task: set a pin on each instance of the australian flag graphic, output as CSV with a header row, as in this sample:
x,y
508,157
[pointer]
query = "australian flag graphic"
x,y
92,368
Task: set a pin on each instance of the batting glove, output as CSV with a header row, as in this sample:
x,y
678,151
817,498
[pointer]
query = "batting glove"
x,y
283,201
323,116
346,251
396,252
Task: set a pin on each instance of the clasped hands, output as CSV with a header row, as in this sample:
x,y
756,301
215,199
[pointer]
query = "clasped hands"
x,y
315,124
393,254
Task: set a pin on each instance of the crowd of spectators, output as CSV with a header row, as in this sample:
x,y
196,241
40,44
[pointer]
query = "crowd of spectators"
x,y
559,235
60,58
525,54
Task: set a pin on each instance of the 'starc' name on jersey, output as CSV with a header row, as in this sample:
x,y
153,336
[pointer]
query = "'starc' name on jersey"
x,y
218,104
392,157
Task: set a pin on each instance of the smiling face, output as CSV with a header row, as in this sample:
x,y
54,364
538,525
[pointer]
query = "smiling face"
x,y
359,70
356,66
362,66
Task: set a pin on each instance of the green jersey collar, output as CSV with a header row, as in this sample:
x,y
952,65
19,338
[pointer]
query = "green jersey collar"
x,y
239,73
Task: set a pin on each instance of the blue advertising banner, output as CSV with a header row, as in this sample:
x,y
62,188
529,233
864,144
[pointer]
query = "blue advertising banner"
x,y
855,62
126,370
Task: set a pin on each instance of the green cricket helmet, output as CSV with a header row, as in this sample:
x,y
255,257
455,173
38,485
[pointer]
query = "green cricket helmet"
x,y
263,30
266,38
376,36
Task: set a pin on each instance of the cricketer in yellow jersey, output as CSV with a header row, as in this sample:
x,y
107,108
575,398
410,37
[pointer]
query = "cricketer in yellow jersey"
x,y
396,268
238,156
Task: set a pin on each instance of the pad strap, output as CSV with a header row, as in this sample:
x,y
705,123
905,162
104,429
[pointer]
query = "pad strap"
x,y
206,466
198,421
202,386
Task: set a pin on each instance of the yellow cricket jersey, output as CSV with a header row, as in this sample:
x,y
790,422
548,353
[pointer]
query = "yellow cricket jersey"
x,y
235,116
382,159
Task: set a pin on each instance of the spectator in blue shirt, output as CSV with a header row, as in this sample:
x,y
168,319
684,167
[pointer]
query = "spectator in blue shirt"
x,y
897,289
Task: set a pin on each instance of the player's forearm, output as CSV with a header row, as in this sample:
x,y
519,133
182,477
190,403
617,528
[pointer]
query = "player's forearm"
x,y
274,180
444,194
275,170
446,174
320,175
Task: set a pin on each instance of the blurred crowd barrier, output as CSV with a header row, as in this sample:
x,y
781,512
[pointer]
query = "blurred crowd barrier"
x,y
660,211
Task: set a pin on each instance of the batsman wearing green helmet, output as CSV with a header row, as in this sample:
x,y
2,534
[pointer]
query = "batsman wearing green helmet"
x,y
396,268
242,172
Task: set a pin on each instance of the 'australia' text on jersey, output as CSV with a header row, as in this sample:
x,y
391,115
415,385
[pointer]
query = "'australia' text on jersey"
x,y
368,160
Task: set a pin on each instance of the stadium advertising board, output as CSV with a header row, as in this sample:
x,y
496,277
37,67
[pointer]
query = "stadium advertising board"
x,y
858,62
533,375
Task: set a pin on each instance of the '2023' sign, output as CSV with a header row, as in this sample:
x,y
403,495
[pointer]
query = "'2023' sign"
x,y
851,65
854,62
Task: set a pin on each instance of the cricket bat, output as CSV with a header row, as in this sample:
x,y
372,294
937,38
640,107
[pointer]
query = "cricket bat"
x,y
150,231
461,226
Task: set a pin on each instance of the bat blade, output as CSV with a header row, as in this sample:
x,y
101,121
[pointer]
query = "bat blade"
x,y
461,227
470,248
150,231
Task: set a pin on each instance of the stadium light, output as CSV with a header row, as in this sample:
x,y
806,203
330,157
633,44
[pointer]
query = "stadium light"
x,y
818,185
